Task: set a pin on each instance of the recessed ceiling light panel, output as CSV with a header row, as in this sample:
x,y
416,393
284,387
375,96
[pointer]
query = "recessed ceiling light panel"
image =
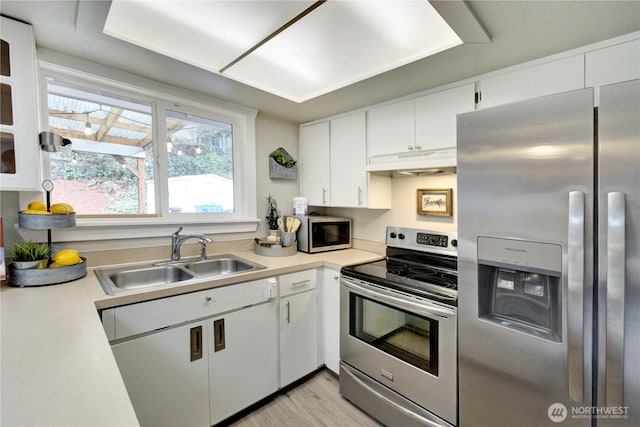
x,y
336,44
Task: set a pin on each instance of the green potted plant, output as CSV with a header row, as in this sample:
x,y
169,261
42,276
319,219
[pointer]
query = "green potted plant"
x,y
30,255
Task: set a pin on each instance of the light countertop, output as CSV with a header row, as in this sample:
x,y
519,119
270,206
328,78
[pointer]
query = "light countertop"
x,y
56,362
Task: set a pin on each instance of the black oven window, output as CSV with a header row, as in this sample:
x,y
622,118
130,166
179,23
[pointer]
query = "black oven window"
x,y
404,335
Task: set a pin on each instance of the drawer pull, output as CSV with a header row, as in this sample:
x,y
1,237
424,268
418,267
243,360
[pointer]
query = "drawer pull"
x,y
208,298
196,343
301,283
218,335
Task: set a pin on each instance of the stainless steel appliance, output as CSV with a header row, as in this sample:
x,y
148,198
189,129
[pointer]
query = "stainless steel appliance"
x,y
323,233
549,277
398,344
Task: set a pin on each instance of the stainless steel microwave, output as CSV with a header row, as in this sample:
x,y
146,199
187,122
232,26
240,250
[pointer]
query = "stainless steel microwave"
x,y
323,233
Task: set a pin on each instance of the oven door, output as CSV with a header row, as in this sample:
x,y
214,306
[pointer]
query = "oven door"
x,y
403,342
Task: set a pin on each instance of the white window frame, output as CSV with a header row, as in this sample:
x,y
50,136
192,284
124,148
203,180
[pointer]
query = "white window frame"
x,y
162,96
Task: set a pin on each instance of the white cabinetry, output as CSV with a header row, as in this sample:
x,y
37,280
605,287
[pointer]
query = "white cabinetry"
x,y
166,387
436,116
20,168
613,64
348,159
544,79
243,363
334,156
315,163
330,315
179,371
391,129
427,122
298,326
351,185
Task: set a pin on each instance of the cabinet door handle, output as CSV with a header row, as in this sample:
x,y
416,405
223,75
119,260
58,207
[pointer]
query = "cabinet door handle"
x,y
288,316
196,342
359,195
324,196
218,335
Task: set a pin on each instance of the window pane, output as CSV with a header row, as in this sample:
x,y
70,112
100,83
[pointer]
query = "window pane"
x,y
7,148
110,168
200,164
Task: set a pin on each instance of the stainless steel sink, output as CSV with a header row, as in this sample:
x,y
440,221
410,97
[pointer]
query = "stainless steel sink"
x,y
149,276
143,276
222,265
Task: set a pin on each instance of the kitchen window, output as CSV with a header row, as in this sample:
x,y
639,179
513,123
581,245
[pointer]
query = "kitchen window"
x,y
112,166
147,160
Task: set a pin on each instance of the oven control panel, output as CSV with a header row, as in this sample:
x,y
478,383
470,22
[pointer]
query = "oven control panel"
x,y
432,239
422,240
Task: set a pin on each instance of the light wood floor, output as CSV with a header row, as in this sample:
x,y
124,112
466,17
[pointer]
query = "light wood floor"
x,y
314,403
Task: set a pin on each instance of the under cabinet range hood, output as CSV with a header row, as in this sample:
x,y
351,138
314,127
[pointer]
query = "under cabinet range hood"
x,y
416,163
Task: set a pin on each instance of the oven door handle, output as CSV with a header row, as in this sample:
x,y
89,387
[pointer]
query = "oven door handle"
x,y
424,307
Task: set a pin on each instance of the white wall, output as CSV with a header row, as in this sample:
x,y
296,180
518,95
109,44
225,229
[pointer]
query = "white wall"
x,y
369,224
272,133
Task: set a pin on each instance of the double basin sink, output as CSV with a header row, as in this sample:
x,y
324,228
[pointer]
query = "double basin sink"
x,y
142,276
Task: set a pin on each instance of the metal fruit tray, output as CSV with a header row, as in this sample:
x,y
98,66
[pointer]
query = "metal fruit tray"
x,y
46,276
43,222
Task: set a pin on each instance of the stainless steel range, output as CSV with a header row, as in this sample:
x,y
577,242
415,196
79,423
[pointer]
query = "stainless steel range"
x,y
398,319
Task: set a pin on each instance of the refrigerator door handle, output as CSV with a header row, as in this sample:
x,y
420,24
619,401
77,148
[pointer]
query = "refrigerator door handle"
x,y
575,309
614,381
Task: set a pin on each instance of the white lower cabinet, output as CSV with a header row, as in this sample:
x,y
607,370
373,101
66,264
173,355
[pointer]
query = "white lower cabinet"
x,y
298,326
243,363
330,315
198,358
199,372
166,387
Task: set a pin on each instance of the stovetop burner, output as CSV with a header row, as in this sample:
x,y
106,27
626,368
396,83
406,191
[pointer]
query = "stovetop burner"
x,y
418,262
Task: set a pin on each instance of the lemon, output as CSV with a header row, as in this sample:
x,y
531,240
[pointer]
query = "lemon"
x,y
61,208
66,257
37,206
35,212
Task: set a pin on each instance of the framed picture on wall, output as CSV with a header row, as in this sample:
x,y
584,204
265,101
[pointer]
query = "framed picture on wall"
x,y
436,202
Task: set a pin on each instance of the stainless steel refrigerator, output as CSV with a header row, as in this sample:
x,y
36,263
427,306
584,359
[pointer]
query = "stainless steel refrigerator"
x,y
549,261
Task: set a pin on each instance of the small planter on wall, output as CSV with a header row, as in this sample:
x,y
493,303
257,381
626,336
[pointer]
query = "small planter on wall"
x,y
282,165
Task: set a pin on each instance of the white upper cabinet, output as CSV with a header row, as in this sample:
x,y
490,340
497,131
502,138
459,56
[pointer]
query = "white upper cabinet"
x,y
436,116
391,128
315,161
613,64
348,159
545,79
20,167
333,160
427,122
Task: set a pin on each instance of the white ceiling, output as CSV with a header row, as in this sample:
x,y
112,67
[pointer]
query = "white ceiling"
x,y
294,49
519,30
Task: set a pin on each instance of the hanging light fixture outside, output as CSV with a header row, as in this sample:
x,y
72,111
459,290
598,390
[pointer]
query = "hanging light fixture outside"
x,y
198,149
169,146
87,127
74,160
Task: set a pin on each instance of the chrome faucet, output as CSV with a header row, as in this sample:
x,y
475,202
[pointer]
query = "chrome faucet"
x,y
177,240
